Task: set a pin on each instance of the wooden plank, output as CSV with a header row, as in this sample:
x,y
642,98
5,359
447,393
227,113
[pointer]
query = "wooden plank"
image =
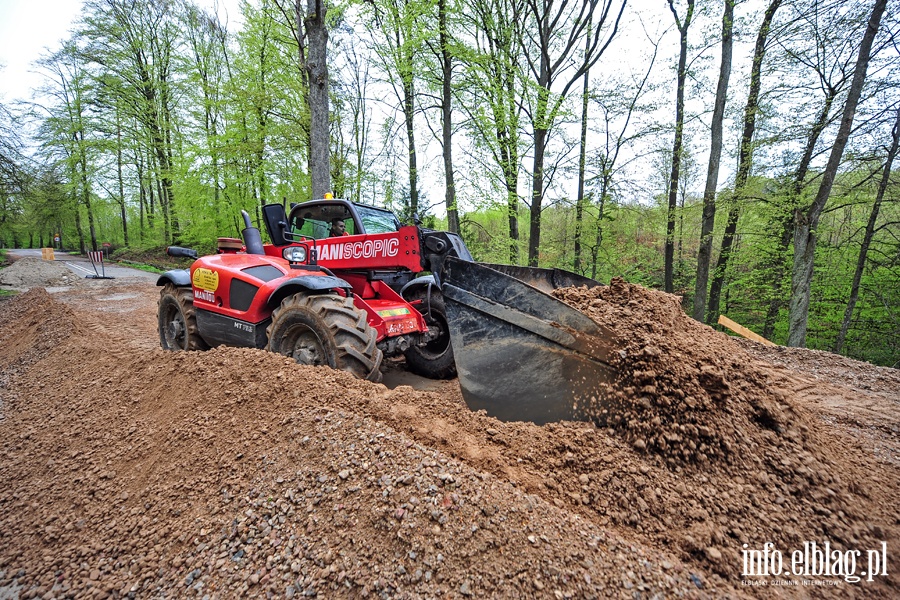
x,y
47,253
743,331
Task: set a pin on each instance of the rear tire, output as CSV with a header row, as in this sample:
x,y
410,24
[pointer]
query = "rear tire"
x,y
325,329
178,320
435,359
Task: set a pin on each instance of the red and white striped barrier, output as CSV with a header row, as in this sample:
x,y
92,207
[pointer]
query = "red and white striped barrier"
x,y
97,259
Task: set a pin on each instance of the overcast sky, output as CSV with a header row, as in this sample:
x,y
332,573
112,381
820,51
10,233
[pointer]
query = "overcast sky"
x,y
27,27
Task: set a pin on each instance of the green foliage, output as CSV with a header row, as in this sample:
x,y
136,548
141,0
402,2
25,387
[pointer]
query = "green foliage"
x,y
158,125
632,244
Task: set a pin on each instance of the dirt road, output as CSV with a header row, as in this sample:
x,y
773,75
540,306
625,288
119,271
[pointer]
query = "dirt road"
x,y
129,472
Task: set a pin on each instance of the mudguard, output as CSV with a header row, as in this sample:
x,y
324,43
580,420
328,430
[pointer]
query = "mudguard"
x,y
306,283
417,283
177,277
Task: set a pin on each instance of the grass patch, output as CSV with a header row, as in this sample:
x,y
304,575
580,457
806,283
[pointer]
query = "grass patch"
x,y
141,266
154,260
7,293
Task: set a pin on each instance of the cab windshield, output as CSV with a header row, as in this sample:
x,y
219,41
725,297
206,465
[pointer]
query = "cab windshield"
x,y
320,221
376,220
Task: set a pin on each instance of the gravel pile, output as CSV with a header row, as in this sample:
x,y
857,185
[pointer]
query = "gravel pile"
x,y
696,401
130,472
683,391
30,272
236,472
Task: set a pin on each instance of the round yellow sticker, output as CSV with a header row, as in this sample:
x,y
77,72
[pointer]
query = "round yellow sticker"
x,y
205,279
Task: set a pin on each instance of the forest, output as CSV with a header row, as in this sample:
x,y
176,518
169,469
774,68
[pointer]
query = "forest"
x,y
738,153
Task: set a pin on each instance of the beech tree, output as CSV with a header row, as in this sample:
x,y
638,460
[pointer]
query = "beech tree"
x,y
136,42
682,23
12,176
316,65
491,99
805,221
712,173
401,28
551,34
617,107
66,128
829,59
869,233
745,161
445,58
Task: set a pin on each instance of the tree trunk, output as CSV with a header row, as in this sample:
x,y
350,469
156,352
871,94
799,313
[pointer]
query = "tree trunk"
x,y
168,186
537,196
604,191
119,176
319,128
745,162
511,180
786,221
408,112
712,172
86,191
540,148
508,140
446,113
805,223
867,237
81,244
669,253
579,201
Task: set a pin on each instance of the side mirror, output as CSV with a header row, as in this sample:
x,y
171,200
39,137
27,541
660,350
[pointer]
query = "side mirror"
x,y
276,223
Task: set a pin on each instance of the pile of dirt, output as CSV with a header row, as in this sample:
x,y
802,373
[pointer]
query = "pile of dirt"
x,y
39,326
696,402
31,272
235,472
683,390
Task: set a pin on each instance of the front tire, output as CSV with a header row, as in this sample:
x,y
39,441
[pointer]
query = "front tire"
x,y
178,320
435,359
326,329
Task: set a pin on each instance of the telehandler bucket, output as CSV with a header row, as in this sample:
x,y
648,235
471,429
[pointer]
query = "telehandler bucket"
x,y
521,354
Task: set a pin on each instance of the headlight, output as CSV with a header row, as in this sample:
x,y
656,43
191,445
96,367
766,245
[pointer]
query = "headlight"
x,y
295,254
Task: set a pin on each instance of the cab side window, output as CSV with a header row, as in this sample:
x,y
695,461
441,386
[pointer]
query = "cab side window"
x,y
315,221
310,228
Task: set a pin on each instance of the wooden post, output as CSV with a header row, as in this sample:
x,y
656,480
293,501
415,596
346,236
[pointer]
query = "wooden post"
x,y
743,331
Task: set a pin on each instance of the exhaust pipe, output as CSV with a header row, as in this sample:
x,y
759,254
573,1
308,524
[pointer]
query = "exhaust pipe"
x,y
252,239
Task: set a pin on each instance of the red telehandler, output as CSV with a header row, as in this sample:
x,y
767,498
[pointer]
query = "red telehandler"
x,y
383,288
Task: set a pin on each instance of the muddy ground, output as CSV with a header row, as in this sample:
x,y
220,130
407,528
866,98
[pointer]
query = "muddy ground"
x,y
129,472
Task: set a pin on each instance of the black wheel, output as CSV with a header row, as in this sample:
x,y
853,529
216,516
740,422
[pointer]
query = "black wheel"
x,y
178,320
326,329
435,359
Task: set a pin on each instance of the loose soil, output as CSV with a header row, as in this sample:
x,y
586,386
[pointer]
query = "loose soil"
x,y
126,471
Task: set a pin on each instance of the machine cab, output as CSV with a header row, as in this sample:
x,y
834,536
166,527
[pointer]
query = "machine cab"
x,y
318,219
